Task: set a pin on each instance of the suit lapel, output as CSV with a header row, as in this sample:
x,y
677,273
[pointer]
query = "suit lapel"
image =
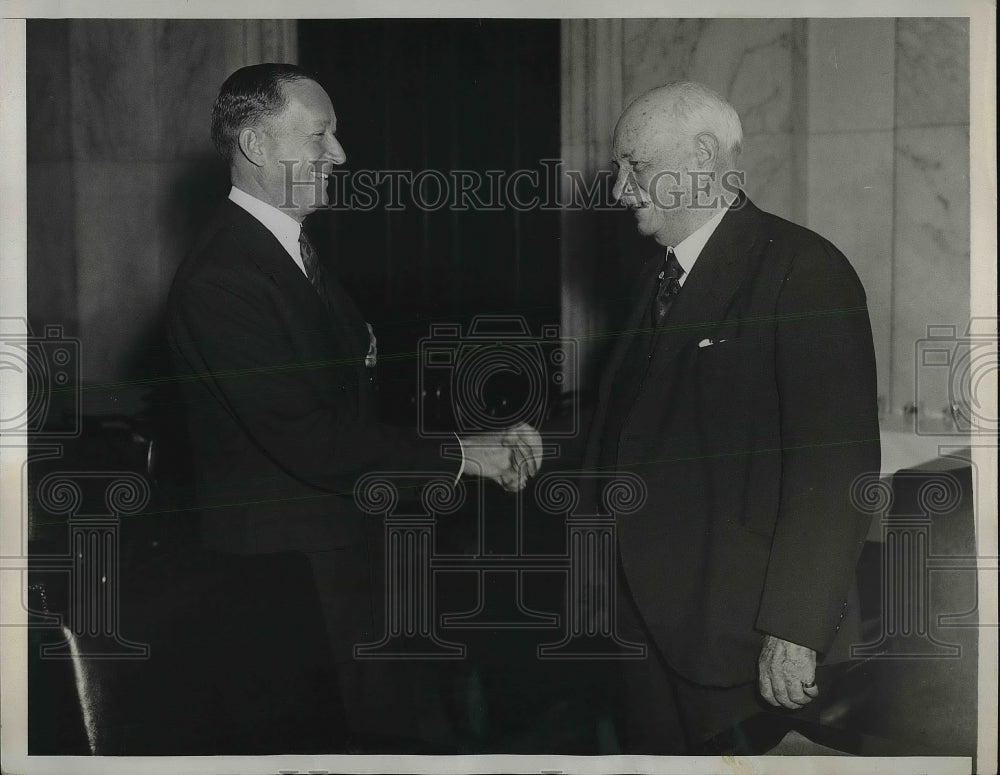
x,y
268,254
637,323
347,319
715,280
271,258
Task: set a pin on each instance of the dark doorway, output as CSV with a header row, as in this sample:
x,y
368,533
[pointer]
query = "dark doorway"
x,y
476,98
440,96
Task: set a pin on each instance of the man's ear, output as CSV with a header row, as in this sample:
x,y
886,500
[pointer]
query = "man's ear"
x,y
251,146
706,148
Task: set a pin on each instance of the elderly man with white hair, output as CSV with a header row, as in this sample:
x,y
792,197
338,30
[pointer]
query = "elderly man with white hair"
x,y
743,391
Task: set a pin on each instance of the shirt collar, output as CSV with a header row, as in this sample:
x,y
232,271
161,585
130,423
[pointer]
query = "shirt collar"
x,y
284,228
690,247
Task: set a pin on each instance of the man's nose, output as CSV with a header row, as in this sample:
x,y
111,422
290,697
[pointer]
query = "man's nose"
x,y
620,182
336,151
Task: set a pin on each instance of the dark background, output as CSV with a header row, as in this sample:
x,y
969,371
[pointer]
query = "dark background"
x,y
442,95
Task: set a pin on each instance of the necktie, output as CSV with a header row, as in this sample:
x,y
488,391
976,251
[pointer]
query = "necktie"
x,y
310,262
669,286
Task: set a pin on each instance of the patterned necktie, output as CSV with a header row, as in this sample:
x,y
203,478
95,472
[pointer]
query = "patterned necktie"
x,y
669,286
310,262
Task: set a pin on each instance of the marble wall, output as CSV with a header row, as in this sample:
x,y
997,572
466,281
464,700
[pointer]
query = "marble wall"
x,y
888,179
752,63
121,170
849,134
755,63
856,128
931,251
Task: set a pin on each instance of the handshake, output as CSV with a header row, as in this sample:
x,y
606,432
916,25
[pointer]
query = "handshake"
x,y
508,457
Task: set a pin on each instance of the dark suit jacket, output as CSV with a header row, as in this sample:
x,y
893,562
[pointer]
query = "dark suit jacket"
x,y
280,409
749,447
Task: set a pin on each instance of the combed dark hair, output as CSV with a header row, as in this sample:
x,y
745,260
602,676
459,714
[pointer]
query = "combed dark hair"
x,y
247,96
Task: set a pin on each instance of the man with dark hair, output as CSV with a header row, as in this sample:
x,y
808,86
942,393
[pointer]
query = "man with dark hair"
x,y
744,395
275,360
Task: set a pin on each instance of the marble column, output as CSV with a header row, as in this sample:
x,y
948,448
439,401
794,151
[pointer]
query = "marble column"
x,y
931,205
888,180
591,101
750,62
606,63
121,170
849,149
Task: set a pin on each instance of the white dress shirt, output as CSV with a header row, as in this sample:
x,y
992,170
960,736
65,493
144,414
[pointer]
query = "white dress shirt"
x,y
690,248
284,228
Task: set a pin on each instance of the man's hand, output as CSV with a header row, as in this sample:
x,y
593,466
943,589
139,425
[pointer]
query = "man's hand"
x,y
787,673
507,457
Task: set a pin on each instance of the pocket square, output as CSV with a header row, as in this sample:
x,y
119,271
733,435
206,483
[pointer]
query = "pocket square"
x,y
710,342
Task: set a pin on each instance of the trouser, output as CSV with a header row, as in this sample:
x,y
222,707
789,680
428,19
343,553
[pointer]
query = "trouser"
x,y
659,712
399,706
392,705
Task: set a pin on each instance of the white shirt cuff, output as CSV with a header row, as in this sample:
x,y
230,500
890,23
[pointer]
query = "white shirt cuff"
x,y
461,468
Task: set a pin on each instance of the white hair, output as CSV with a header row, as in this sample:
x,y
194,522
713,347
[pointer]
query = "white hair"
x,y
696,109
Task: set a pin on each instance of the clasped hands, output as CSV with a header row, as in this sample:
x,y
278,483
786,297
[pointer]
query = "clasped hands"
x,y
509,457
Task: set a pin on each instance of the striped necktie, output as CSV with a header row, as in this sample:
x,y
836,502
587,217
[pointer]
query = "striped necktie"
x,y
669,286
310,262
